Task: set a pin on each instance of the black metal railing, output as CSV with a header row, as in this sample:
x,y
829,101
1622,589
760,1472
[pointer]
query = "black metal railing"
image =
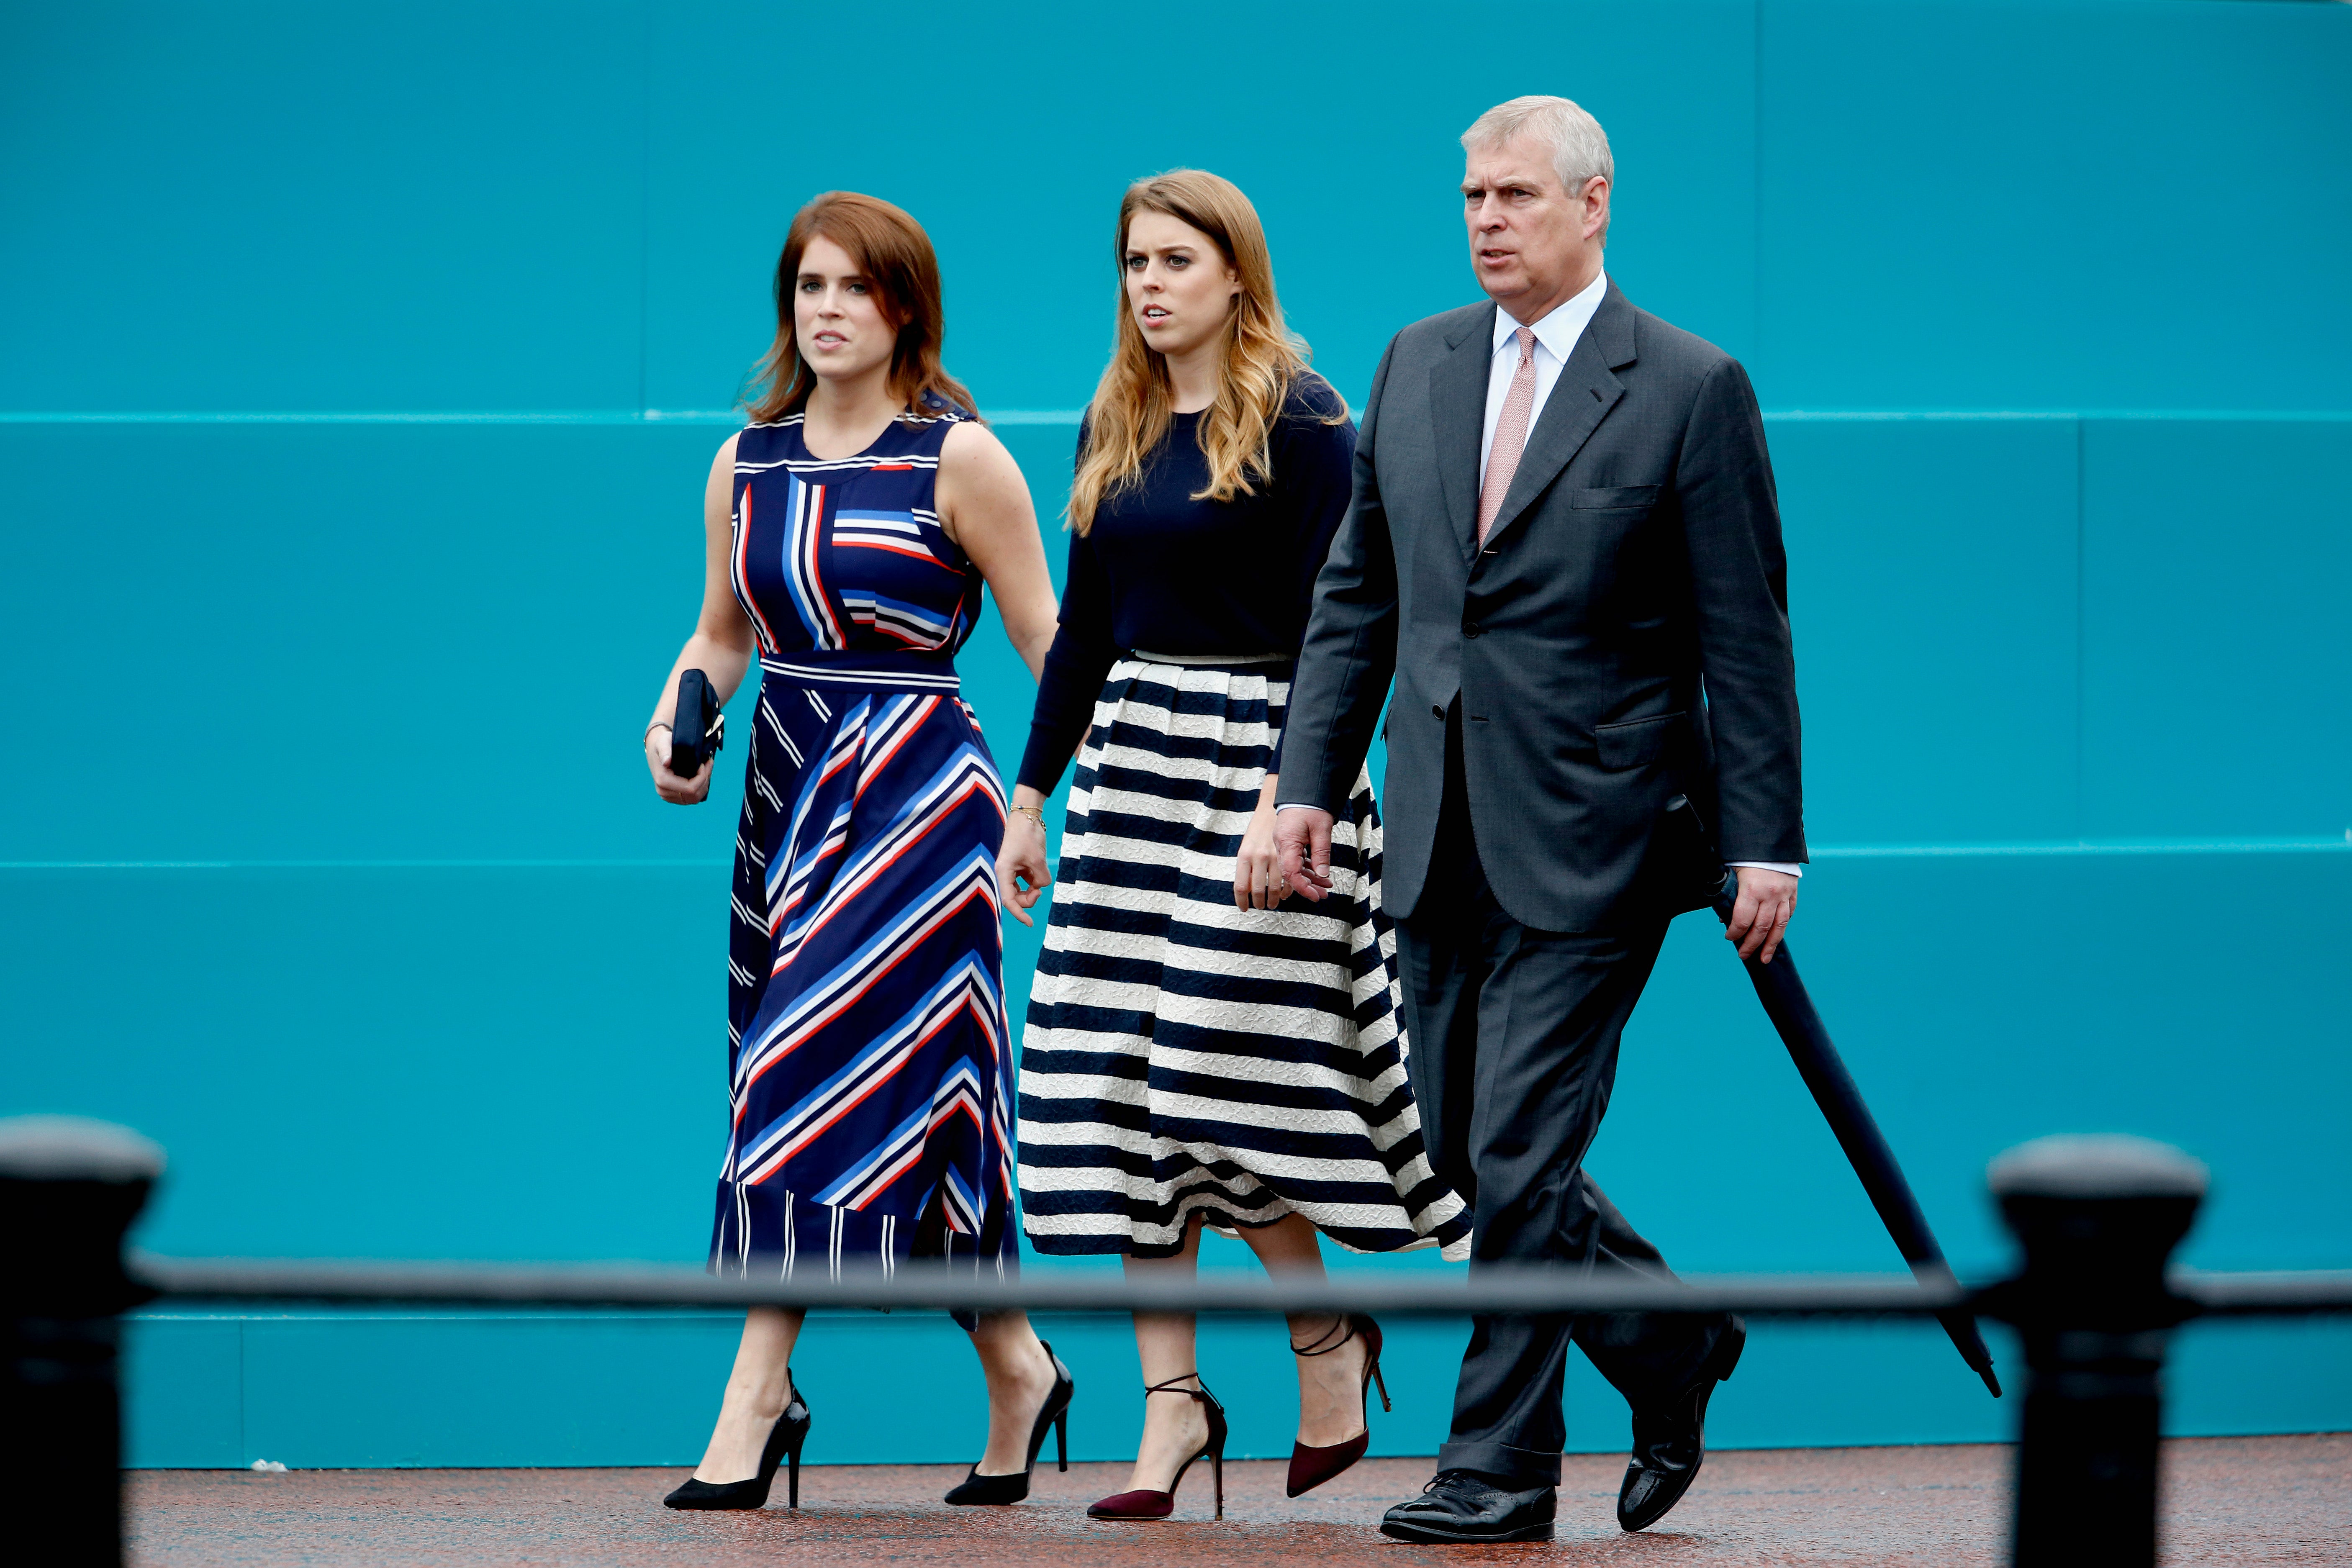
x,y
2095,1306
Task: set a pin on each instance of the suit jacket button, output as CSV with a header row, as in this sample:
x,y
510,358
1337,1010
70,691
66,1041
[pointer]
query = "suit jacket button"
x,y
1469,628
1436,711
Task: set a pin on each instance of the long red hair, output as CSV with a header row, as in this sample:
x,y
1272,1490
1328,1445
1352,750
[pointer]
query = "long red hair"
x,y
896,256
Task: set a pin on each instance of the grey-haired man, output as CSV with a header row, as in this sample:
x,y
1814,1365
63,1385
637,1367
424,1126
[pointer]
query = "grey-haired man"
x,y
1564,552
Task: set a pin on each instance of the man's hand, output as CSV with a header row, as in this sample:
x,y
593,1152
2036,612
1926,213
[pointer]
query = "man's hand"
x,y
1766,902
1302,836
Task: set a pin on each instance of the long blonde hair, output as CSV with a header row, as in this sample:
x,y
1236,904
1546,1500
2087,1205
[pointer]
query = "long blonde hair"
x,y
1134,403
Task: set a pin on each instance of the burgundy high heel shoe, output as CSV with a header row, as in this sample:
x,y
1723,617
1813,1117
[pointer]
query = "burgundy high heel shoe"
x,y
1144,1503
1310,1466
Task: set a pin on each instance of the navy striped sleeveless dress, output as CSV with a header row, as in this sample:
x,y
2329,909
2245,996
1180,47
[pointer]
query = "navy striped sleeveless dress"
x,y
869,1109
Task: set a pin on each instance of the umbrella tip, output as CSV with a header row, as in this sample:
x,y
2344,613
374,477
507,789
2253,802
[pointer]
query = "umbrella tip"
x,y
1991,1379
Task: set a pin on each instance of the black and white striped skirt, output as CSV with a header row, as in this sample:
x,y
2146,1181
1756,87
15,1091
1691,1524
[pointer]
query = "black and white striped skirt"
x,y
1185,1055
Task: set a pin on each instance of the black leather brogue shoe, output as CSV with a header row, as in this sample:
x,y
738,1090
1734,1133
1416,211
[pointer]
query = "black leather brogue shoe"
x,y
1464,1507
1670,1439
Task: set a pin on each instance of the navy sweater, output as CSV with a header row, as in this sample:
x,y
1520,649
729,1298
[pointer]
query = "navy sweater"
x,y
1163,572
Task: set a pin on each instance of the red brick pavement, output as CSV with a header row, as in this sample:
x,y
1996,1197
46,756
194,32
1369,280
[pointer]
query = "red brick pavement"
x,y
2234,1501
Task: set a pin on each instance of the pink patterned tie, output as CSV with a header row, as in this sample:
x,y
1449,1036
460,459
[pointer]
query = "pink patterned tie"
x,y
1510,433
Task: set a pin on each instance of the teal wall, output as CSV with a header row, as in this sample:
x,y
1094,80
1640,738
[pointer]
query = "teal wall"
x,y
360,369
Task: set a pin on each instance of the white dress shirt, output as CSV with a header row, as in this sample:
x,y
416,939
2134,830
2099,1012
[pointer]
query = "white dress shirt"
x,y
1556,336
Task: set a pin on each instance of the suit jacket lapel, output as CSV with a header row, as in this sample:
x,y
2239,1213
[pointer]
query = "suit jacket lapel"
x,y
1457,401
1581,399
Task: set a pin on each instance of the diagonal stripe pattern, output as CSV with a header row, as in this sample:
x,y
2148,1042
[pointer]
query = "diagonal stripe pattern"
x,y
869,1103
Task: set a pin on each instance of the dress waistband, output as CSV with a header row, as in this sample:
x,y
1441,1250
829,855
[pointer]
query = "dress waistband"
x,y
878,669
1210,659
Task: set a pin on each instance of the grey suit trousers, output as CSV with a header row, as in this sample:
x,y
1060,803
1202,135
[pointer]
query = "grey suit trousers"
x,y
1515,1034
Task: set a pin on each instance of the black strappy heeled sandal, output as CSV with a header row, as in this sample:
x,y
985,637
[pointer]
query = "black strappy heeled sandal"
x,y
1054,1414
1146,1504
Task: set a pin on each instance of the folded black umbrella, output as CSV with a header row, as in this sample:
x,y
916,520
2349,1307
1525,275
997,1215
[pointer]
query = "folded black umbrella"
x,y
1800,1024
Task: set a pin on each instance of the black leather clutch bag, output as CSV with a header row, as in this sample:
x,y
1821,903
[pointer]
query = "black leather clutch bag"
x,y
697,729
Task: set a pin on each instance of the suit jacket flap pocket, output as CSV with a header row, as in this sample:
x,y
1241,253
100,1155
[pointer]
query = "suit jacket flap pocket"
x,y
1615,496
1635,742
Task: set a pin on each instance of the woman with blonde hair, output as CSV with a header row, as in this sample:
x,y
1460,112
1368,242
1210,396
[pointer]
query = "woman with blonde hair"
x,y
1195,1052
849,530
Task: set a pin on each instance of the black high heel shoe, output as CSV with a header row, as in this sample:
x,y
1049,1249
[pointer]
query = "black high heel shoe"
x,y
1144,1503
784,1440
1054,1414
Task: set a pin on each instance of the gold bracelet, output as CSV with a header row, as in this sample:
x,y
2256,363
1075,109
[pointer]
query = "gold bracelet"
x,y
1035,814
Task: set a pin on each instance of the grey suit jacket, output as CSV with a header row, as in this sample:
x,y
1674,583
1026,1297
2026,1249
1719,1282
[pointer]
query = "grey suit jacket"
x,y
1622,638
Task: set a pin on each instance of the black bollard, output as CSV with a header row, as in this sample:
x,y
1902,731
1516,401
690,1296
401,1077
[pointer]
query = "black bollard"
x,y
68,1191
2098,1218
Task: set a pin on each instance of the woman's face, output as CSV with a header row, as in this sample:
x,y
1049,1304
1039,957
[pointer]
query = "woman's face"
x,y
837,319
1179,289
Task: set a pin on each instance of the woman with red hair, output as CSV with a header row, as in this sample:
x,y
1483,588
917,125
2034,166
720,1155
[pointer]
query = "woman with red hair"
x,y
849,530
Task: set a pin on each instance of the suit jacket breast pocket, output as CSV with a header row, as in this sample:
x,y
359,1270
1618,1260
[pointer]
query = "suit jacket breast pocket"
x,y
1635,742
1616,498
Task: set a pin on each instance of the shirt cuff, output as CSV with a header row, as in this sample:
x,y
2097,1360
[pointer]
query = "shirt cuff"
x,y
1282,805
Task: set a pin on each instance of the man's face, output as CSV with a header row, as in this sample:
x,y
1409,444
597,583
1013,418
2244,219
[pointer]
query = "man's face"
x,y
1531,243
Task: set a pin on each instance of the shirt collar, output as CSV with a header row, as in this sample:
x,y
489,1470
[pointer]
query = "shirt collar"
x,y
1558,331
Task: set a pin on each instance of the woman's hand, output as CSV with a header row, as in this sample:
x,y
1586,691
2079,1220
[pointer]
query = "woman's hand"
x,y
668,785
1023,872
1258,882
